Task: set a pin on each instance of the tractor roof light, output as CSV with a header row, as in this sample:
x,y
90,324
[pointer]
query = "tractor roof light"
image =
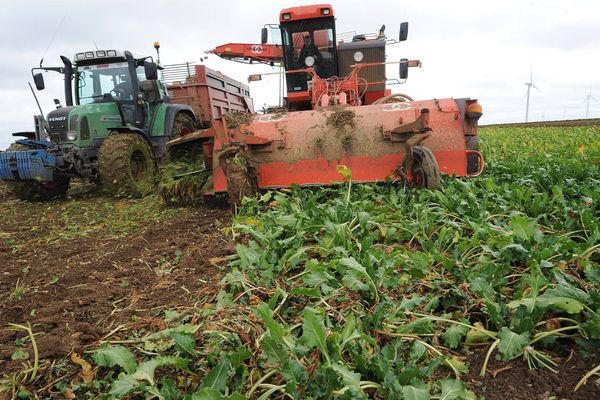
x,y
111,53
89,54
287,16
325,11
100,53
79,56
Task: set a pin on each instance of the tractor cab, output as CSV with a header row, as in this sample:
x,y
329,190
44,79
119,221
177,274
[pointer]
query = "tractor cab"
x,y
308,41
101,78
112,89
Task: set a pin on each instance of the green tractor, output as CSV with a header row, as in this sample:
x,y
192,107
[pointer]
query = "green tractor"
x,y
114,131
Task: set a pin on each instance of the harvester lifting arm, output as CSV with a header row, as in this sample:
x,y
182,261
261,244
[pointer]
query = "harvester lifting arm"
x,y
249,53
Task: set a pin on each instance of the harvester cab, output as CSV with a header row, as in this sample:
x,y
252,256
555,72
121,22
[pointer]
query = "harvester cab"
x,y
312,50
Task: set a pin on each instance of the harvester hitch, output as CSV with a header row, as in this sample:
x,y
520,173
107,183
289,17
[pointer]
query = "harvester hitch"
x,y
405,132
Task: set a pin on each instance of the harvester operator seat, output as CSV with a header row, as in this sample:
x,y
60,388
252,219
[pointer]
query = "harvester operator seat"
x,y
309,49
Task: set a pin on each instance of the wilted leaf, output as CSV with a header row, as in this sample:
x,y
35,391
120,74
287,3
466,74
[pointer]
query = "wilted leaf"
x,y
87,374
478,334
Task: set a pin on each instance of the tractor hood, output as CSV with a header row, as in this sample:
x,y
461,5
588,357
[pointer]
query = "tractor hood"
x,y
58,122
81,124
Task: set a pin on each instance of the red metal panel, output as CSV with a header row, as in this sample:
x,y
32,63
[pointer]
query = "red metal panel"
x,y
210,94
306,150
305,12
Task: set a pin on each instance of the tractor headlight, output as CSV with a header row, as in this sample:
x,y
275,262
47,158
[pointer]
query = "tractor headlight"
x,y
309,61
358,56
71,135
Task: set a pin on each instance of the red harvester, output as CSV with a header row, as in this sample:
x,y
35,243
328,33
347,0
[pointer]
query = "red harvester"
x,y
338,111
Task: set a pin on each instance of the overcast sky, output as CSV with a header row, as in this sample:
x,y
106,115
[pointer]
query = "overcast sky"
x,y
468,49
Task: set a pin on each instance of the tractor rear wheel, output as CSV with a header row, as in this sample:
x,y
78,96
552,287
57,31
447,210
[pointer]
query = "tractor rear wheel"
x,y
425,170
183,125
126,165
38,191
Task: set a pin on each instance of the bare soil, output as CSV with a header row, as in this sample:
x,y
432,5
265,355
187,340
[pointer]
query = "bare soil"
x,y
515,381
76,289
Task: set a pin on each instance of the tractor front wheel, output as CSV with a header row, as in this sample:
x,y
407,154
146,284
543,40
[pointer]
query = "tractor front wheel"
x,y
425,170
38,191
126,165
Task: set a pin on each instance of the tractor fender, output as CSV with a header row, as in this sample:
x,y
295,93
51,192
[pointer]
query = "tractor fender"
x,y
131,129
171,113
158,144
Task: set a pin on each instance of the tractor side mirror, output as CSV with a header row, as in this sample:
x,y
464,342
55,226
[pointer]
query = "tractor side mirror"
x,y
38,79
403,32
403,68
264,35
151,71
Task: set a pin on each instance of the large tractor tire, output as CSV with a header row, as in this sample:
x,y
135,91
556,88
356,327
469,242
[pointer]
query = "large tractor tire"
x,y
38,191
183,125
126,165
425,170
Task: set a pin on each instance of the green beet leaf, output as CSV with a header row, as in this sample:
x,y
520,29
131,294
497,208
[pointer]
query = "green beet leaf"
x,y
511,344
110,356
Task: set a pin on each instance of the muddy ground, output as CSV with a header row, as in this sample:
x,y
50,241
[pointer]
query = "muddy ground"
x,y
77,268
80,268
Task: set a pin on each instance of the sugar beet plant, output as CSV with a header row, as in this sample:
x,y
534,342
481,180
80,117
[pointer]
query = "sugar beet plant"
x,y
363,291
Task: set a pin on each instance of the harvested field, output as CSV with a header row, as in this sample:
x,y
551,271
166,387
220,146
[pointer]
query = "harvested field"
x,y
487,288
78,268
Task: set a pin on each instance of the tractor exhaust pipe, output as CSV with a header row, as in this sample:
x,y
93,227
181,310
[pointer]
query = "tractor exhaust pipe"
x,y
68,80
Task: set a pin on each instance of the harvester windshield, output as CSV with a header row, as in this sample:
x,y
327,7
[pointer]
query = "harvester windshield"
x,y
104,83
308,43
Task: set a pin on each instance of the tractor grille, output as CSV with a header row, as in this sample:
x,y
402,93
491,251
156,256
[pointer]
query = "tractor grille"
x,y
373,51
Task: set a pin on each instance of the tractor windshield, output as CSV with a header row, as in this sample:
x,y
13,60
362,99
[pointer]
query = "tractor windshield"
x,y
309,43
104,83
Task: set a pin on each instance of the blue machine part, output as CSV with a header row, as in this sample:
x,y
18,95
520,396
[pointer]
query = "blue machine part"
x,y
36,165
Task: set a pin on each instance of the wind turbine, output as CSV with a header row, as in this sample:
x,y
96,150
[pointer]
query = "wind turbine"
x,y
587,99
529,85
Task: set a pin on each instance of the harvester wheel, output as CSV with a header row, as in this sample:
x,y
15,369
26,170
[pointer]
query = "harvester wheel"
x,y
425,170
126,165
472,142
38,191
183,125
